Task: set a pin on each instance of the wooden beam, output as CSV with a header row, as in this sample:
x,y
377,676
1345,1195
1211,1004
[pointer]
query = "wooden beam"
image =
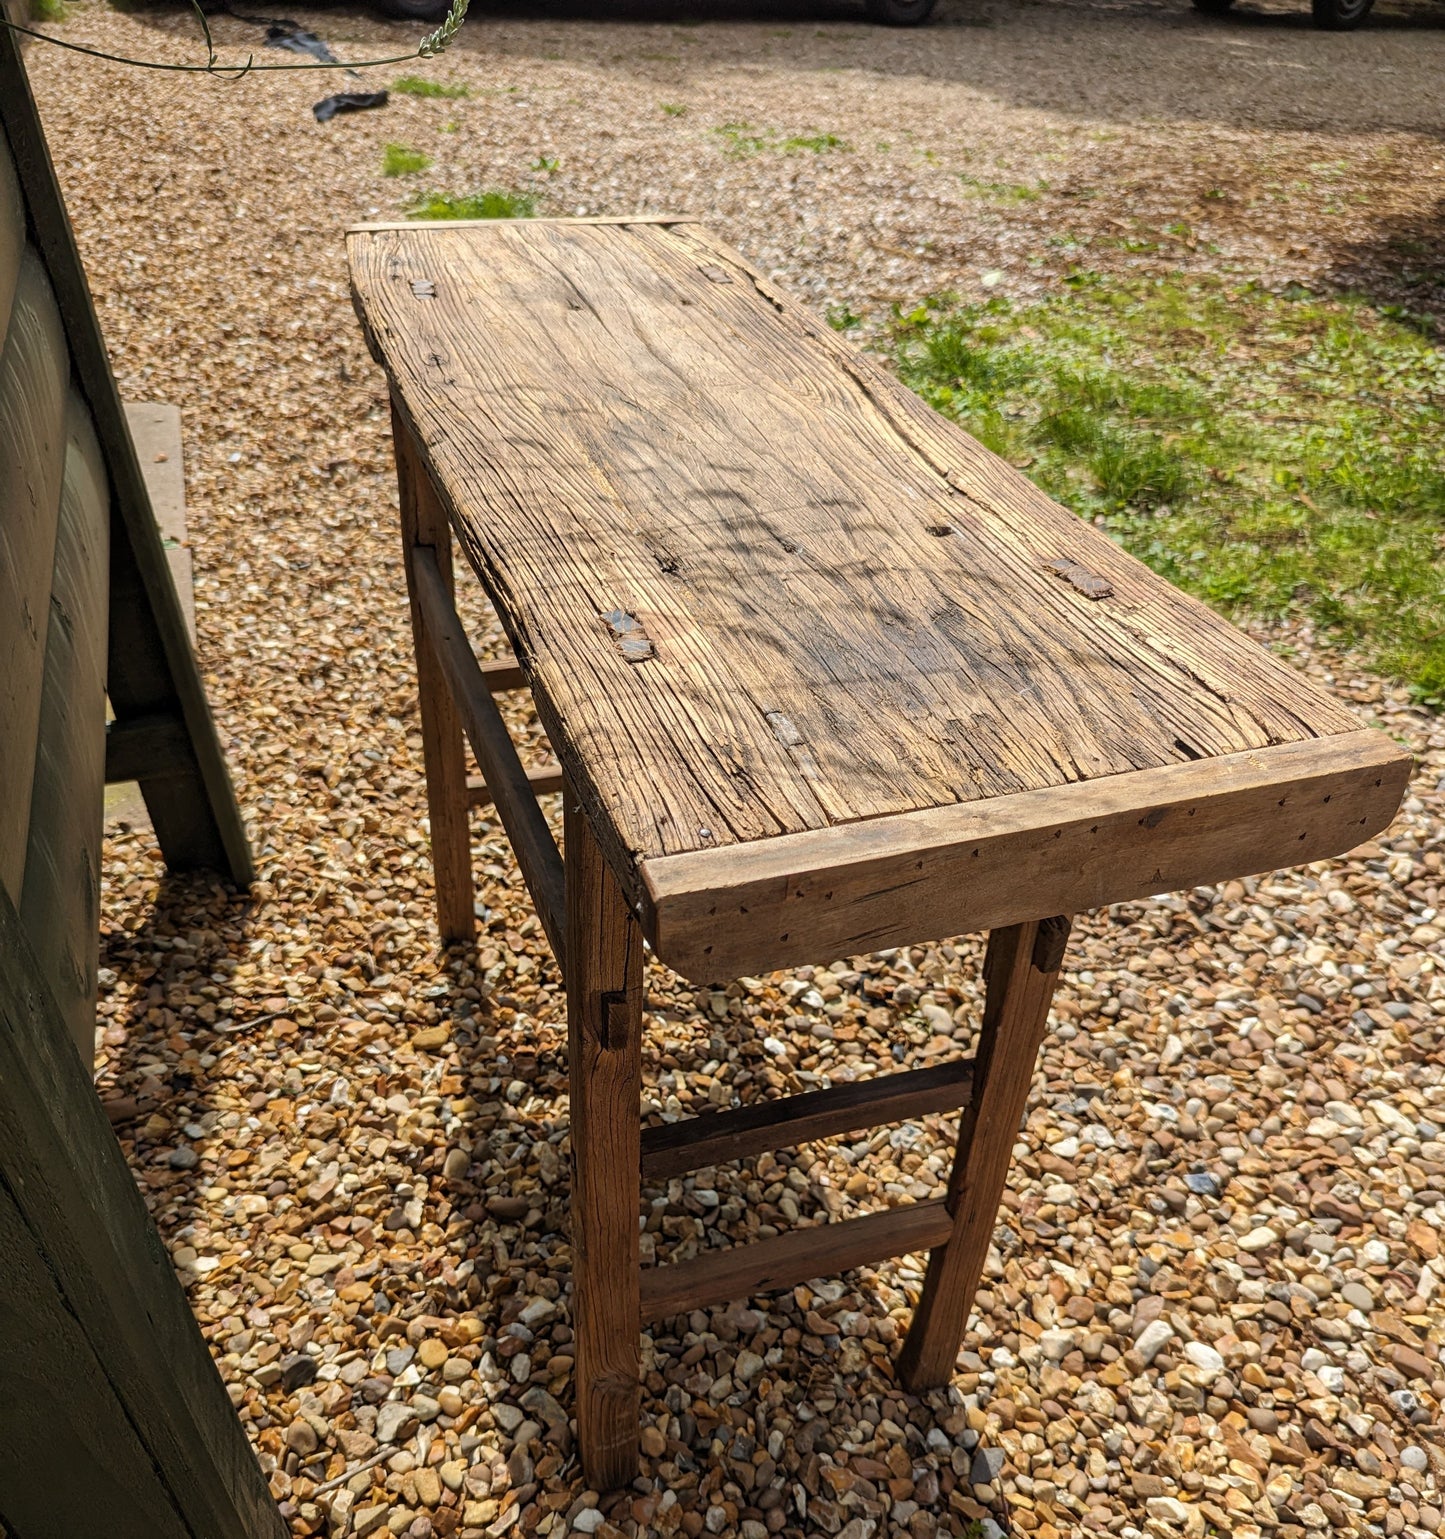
x,y
149,747
1020,971
544,780
489,224
955,870
444,753
503,673
151,666
532,840
719,1276
114,1418
675,1147
604,1053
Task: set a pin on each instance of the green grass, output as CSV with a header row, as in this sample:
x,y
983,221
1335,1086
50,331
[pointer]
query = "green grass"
x,y
494,204
673,109
49,10
1005,192
414,85
398,160
1274,454
742,139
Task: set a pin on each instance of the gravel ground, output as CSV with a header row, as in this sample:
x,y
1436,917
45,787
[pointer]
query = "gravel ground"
x,y
1219,1295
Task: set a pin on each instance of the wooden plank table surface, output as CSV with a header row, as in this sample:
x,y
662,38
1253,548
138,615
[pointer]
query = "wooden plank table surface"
x,y
844,625
822,676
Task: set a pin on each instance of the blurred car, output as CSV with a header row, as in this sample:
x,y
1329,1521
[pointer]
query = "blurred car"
x,y
1332,15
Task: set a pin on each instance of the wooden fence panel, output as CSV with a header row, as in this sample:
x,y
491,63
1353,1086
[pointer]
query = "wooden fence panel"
x,y
65,1174
47,1357
34,368
12,231
60,898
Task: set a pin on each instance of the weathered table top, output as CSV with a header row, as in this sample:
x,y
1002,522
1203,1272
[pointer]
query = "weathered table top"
x,y
826,673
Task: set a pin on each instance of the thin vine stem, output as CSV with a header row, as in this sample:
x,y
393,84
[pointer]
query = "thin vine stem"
x,y
431,45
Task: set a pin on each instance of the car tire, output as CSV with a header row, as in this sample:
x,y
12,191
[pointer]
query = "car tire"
x,y
1213,7
415,10
1340,15
899,13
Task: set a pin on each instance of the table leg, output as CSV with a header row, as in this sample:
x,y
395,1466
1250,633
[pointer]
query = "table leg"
x,y
604,1042
424,522
1020,971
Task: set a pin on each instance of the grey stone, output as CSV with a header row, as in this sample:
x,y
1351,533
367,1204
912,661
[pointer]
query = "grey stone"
x,y
391,1419
987,1465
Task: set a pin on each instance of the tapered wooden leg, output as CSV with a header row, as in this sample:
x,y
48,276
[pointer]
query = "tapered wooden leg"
x,y
604,1031
424,522
1020,970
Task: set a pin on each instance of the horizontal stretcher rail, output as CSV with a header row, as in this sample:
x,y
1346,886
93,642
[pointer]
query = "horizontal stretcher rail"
x,y
720,1276
675,1147
503,673
147,747
544,779
516,802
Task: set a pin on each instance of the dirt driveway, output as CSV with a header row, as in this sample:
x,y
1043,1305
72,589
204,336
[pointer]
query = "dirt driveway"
x,y
355,1147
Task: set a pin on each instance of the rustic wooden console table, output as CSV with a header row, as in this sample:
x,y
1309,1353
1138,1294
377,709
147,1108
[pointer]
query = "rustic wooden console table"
x,y
823,676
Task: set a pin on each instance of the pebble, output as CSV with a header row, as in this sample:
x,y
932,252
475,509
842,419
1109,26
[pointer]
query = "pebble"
x,y
391,1418
1207,1362
1153,1339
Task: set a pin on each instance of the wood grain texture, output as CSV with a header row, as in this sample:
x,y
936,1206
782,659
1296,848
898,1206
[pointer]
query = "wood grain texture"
x,y
956,870
508,782
670,1148
66,1177
824,1250
34,368
850,603
155,429
424,533
60,895
67,1449
12,231
151,665
604,1051
1021,967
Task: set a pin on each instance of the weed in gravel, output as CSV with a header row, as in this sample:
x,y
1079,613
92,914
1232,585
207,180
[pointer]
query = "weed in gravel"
x,y
49,10
742,140
398,160
1275,454
414,85
672,109
842,317
493,204
815,144
1005,192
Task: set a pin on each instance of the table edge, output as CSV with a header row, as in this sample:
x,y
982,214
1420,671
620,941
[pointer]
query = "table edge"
x,y
854,888
376,226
